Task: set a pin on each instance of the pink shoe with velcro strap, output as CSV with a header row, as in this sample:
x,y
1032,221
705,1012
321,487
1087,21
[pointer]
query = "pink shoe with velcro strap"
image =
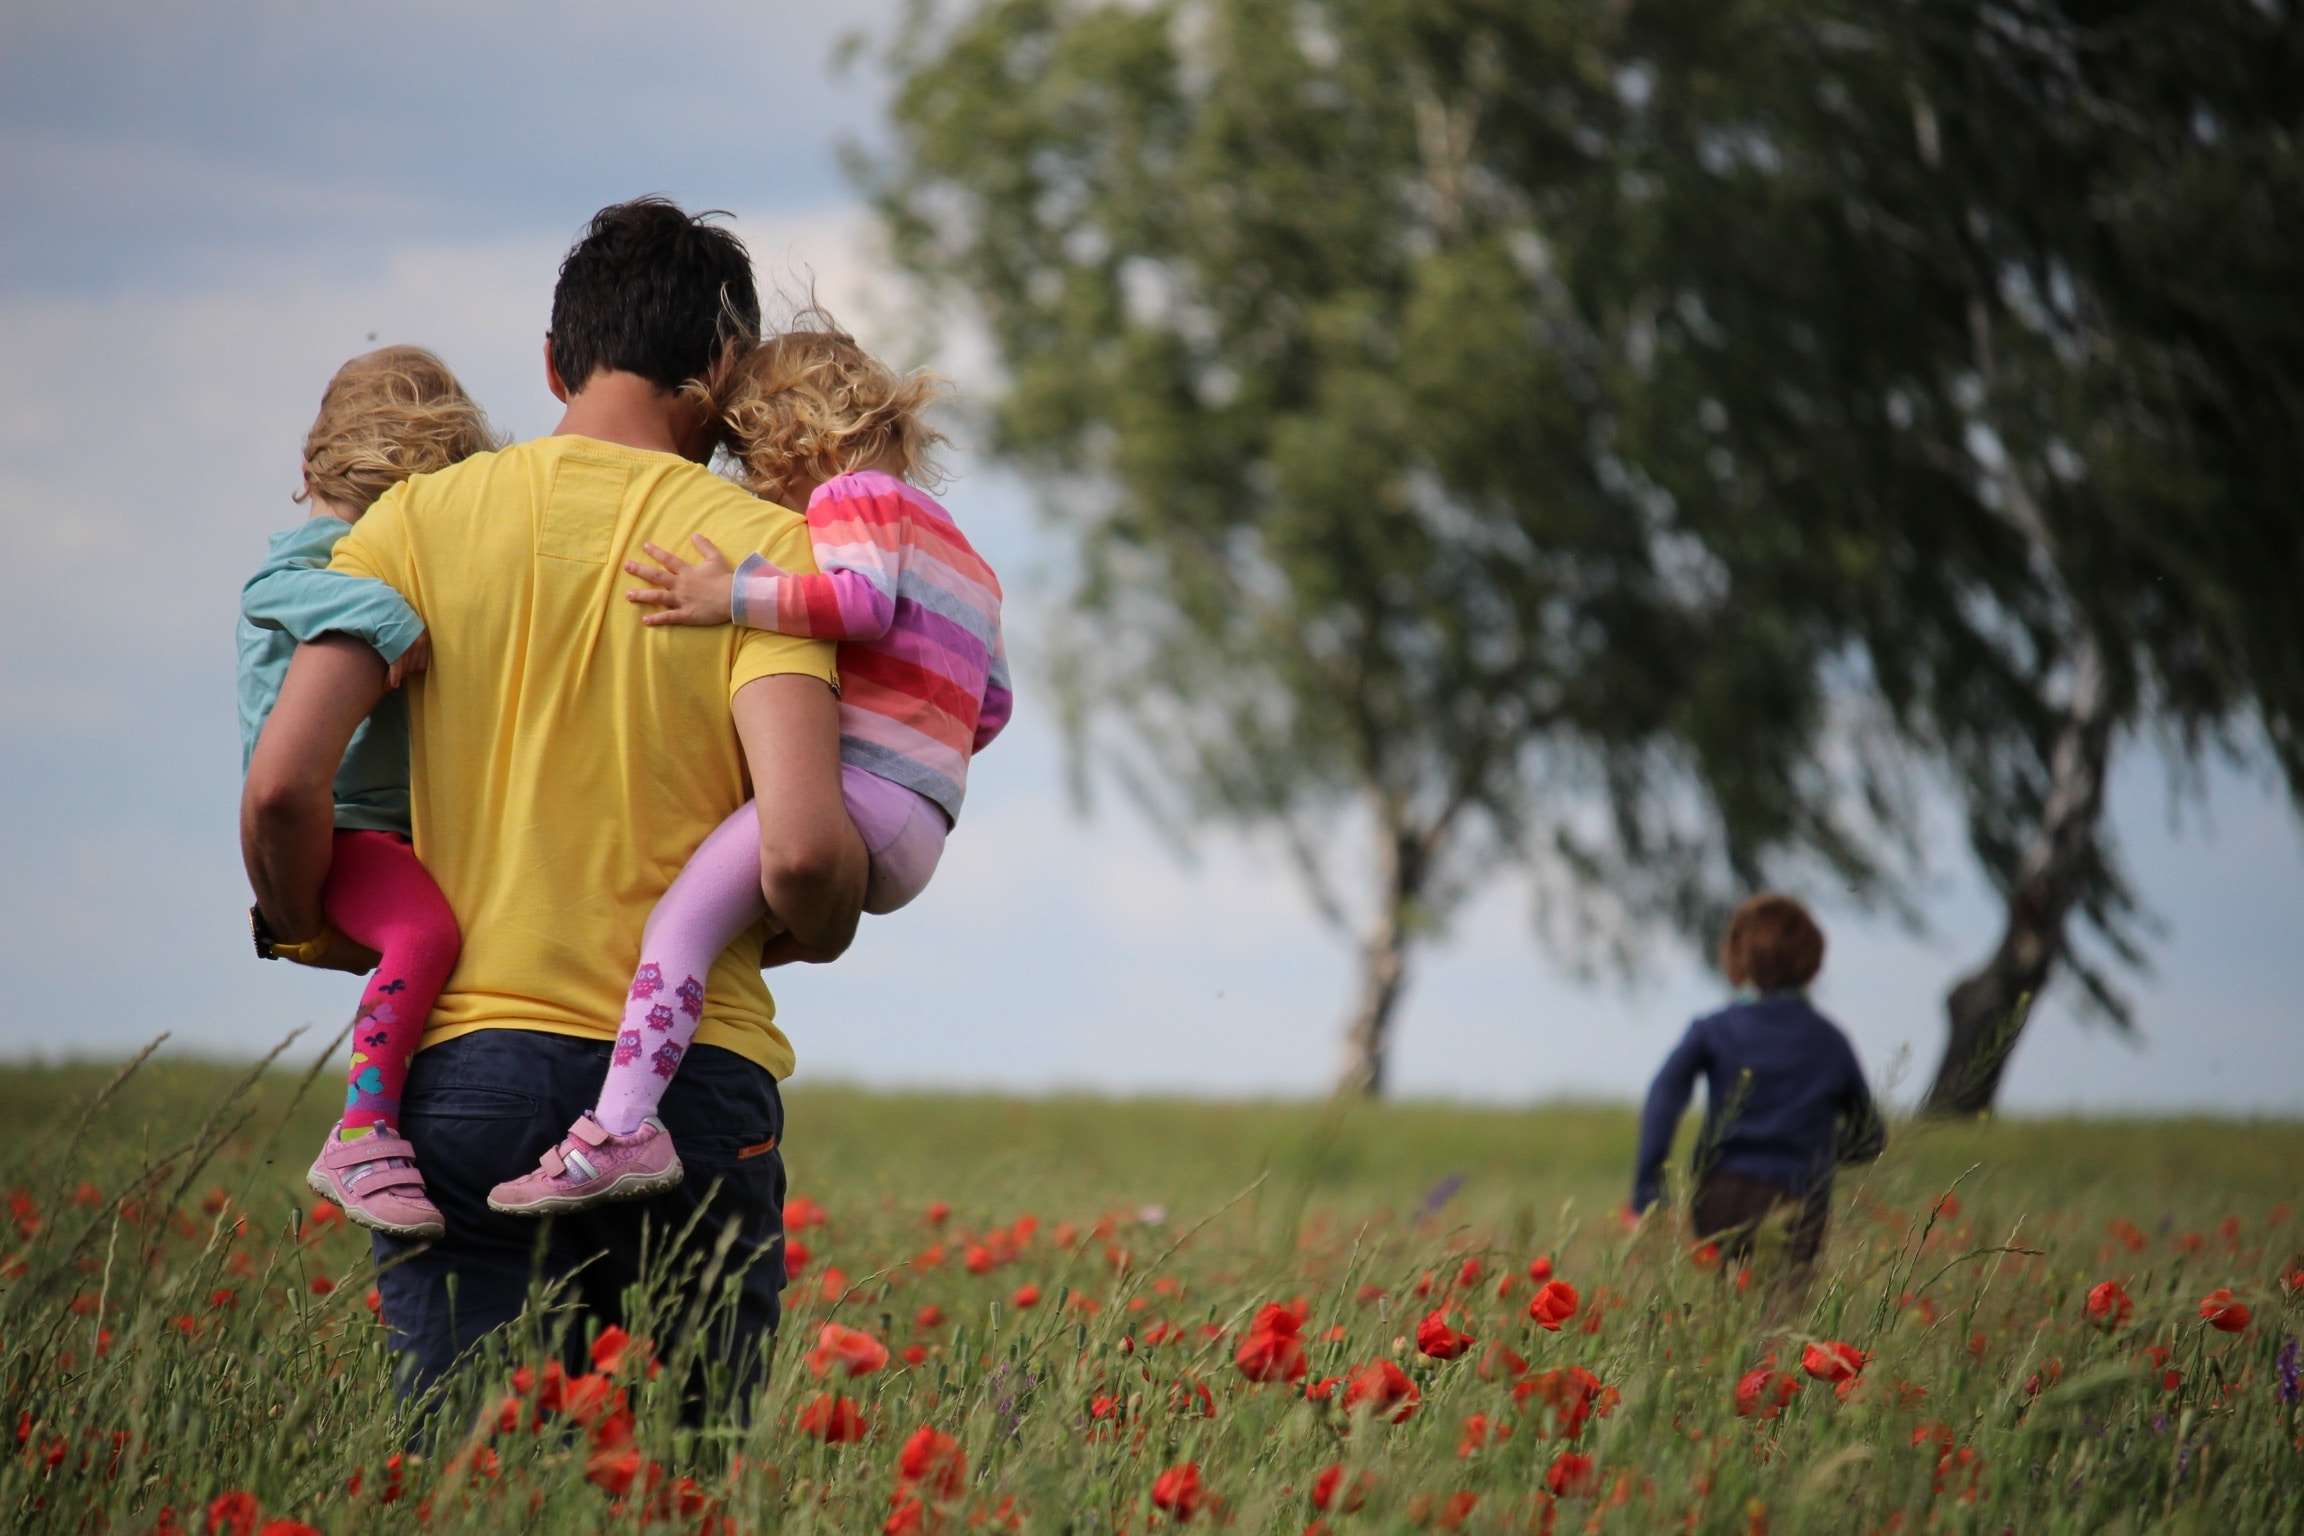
x,y
375,1179
592,1167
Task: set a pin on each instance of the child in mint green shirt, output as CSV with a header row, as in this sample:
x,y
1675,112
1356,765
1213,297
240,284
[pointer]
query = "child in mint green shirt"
x,y
293,598
386,415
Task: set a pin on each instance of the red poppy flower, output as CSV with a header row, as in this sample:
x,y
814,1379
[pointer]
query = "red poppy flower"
x,y
287,1528
613,1347
1540,1268
832,1420
1435,1338
1468,1274
801,1213
978,1259
1385,1389
590,1398
613,1470
851,1350
1327,1487
1555,1303
1178,1491
929,1316
1571,1475
2108,1305
1478,1431
796,1256
1833,1361
938,1211
234,1513
1274,1347
1573,1394
1496,1361
1026,1295
933,1461
1764,1394
2223,1313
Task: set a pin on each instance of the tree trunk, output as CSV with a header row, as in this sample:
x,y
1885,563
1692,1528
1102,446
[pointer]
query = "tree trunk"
x,y
1986,1011
1383,966
1368,1036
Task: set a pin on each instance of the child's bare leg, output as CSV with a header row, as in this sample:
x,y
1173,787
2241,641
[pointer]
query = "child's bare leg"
x,y
716,897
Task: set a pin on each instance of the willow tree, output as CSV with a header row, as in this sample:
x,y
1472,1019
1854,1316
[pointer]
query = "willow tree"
x,y
1327,413
1625,444
1989,299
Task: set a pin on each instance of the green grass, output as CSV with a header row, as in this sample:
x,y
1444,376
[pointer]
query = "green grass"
x,y
165,1342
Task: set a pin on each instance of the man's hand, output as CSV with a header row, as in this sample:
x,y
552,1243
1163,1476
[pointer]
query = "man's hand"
x,y
288,805
684,594
417,658
327,950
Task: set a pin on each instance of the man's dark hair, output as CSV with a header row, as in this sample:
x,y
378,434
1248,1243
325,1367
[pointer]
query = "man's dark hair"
x,y
651,290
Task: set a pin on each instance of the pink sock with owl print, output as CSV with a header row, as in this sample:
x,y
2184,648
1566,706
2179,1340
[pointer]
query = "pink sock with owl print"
x,y
715,898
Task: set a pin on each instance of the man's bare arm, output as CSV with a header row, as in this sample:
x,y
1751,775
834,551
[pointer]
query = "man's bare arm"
x,y
812,863
288,805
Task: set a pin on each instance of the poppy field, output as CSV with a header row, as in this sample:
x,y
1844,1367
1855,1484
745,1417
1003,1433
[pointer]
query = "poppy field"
x,y
1098,1316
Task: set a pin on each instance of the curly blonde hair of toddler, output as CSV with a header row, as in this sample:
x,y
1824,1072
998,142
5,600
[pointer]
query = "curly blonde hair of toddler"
x,y
808,404
386,415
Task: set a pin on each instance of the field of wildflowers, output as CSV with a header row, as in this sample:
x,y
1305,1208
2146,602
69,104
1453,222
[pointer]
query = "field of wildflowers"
x,y
1126,1317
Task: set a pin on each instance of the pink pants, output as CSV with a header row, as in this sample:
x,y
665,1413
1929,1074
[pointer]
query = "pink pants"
x,y
903,831
379,894
716,897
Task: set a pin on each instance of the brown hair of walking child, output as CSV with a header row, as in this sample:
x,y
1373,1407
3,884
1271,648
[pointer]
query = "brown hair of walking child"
x,y
1772,945
808,404
387,415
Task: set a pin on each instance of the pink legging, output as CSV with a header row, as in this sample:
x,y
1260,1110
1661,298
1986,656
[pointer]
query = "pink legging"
x,y
379,894
714,899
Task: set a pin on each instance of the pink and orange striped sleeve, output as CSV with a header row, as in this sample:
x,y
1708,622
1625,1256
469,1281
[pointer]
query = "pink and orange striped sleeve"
x,y
860,540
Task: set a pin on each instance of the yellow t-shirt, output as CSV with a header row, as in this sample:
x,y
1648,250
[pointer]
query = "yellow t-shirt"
x,y
566,760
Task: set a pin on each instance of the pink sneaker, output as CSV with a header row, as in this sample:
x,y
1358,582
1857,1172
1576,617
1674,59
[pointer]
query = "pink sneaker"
x,y
592,1167
375,1179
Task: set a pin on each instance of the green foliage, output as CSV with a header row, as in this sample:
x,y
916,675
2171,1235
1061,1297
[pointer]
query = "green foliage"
x,y
163,1340
1306,315
1633,442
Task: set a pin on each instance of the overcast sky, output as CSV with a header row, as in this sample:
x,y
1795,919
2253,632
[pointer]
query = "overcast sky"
x,y
207,212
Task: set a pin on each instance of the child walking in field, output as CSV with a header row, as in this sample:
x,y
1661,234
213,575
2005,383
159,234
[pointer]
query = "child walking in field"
x,y
1785,1099
385,416
924,686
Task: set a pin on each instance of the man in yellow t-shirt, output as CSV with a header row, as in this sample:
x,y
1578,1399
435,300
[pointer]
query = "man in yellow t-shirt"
x,y
565,762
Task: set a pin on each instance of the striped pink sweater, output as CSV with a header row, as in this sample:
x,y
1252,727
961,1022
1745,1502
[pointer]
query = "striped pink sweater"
x,y
923,672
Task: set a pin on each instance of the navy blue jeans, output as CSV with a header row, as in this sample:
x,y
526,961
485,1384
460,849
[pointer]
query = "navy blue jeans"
x,y
482,1108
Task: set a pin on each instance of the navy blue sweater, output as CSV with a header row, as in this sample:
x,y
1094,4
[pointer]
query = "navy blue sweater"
x,y
1784,1098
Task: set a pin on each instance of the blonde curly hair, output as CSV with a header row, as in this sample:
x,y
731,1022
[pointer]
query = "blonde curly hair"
x,y
805,405
386,415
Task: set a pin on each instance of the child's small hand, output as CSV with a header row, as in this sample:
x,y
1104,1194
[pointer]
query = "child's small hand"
x,y
683,594
417,658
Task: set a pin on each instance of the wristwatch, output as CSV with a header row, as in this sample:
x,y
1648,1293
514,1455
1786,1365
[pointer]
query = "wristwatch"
x,y
269,947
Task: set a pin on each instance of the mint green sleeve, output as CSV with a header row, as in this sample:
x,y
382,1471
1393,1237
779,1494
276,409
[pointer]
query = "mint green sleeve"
x,y
308,601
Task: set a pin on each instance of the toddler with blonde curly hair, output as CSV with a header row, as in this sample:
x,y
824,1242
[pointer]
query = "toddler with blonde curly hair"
x,y
817,422
385,416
